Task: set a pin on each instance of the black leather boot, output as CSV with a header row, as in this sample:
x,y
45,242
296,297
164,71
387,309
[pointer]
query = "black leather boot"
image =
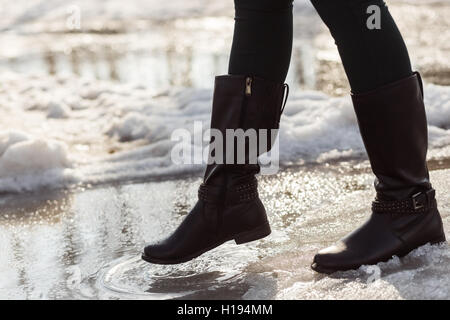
x,y
228,207
393,126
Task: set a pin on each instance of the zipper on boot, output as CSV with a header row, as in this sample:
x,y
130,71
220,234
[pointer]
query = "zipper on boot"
x,y
248,93
248,86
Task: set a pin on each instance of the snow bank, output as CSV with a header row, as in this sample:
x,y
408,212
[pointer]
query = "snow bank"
x,y
27,164
121,131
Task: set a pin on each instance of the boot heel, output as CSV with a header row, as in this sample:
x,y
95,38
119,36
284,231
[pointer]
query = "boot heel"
x,y
256,234
439,239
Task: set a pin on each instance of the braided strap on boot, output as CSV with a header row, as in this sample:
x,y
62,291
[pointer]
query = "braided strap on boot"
x,y
237,194
419,203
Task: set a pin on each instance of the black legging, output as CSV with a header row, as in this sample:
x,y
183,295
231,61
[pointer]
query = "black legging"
x,y
262,41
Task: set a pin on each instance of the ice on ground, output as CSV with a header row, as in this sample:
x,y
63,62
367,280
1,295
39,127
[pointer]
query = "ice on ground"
x,y
423,274
96,237
123,131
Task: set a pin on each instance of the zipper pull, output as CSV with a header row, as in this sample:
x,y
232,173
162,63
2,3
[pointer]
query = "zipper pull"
x,y
248,86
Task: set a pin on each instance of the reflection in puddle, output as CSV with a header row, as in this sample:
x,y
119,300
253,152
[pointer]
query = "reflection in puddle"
x,y
86,245
135,277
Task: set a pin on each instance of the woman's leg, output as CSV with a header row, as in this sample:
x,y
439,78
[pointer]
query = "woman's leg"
x,y
371,57
262,41
388,101
250,97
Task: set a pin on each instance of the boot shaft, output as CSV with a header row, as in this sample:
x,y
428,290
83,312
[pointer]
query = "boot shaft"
x,y
393,126
244,102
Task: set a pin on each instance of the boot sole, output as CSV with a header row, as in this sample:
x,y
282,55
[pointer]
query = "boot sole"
x,y
316,267
241,238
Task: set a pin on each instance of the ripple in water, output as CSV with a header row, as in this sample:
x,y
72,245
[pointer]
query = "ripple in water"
x,y
217,274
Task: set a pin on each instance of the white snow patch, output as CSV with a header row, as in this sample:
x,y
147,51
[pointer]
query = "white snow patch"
x,y
137,124
423,274
56,110
27,164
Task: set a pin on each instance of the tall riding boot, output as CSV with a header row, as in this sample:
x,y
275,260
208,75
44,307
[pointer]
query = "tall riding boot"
x,y
393,126
228,207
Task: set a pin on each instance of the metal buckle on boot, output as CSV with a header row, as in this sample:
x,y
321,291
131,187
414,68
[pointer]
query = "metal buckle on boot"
x,y
419,202
417,205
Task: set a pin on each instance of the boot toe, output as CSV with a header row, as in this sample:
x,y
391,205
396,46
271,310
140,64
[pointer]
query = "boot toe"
x,y
155,252
331,259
